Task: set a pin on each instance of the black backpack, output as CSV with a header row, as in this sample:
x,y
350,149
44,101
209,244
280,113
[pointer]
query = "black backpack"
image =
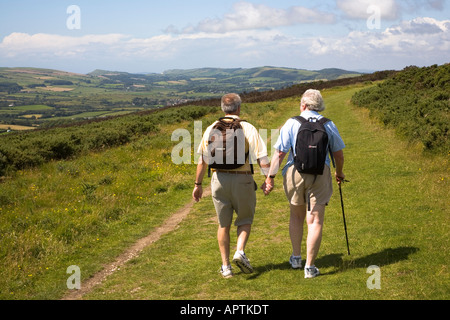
x,y
227,145
311,146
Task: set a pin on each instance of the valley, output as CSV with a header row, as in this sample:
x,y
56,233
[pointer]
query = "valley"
x,y
31,97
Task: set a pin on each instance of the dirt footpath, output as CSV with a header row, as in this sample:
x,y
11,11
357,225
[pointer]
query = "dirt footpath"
x,y
169,225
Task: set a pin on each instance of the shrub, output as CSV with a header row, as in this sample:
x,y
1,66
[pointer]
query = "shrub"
x,y
22,150
416,103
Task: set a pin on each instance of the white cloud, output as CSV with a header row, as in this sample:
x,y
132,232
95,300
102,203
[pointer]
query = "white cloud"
x,y
420,37
248,16
22,43
389,9
116,46
358,9
422,26
420,41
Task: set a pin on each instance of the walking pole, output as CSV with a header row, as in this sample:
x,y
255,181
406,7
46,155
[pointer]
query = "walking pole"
x,y
343,215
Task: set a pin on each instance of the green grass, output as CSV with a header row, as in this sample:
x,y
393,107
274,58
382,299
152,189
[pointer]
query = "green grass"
x,y
86,211
32,108
396,206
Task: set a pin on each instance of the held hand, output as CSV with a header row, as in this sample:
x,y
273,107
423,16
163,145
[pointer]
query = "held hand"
x,y
340,178
263,187
269,184
197,193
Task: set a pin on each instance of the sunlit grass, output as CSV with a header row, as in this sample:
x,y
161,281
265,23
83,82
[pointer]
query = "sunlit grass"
x,y
397,219
88,210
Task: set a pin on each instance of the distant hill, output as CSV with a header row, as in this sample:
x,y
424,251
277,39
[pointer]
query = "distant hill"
x,y
269,73
68,96
220,80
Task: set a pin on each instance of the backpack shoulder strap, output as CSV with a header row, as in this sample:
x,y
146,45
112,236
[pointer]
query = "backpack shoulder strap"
x,y
300,119
232,120
229,118
324,120
303,120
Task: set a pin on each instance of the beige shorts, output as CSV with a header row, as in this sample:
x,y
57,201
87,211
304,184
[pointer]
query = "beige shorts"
x,y
297,186
233,192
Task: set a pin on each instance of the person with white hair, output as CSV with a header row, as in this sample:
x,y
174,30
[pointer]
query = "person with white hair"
x,y
303,188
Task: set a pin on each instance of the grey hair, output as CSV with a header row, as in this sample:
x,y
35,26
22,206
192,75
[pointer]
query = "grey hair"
x,y
230,103
313,100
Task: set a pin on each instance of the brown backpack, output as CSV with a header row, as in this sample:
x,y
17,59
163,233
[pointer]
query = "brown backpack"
x,y
227,145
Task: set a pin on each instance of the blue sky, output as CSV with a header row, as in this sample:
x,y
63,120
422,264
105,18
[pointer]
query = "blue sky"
x,y
153,36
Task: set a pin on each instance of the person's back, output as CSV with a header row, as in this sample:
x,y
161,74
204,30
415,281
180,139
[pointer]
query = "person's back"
x,y
302,189
233,188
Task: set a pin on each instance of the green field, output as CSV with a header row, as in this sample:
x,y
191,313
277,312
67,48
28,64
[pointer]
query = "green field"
x,y
32,108
62,96
88,210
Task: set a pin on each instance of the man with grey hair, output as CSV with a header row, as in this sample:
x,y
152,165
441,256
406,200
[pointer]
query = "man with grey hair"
x,y
232,189
300,188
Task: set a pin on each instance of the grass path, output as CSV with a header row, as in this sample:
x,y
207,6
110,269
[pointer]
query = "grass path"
x,y
168,226
397,217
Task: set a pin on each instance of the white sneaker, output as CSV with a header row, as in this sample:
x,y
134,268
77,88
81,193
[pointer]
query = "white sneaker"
x,y
311,272
227,273
242,262
295,262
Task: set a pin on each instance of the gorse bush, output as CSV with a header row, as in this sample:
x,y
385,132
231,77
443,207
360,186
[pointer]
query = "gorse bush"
x,y
416,103
28,149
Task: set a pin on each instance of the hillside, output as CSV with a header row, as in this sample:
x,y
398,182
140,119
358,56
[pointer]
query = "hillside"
x,y
268,74
74,138
216,81
416,102
31,97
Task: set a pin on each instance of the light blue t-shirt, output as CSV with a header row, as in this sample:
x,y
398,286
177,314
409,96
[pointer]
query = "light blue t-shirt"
x,y
288,137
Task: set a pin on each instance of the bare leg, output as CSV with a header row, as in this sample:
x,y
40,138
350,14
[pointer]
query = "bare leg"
x,y
314,219
243,233
296,221
223,237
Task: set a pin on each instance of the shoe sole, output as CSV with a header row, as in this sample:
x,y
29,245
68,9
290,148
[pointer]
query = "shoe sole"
x,y
244,268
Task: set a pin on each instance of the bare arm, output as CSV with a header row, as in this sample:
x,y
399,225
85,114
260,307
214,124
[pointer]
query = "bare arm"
x,y
264,164
201,170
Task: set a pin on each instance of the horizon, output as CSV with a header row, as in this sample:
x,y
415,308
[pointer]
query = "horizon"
x,y
139,36
200,68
